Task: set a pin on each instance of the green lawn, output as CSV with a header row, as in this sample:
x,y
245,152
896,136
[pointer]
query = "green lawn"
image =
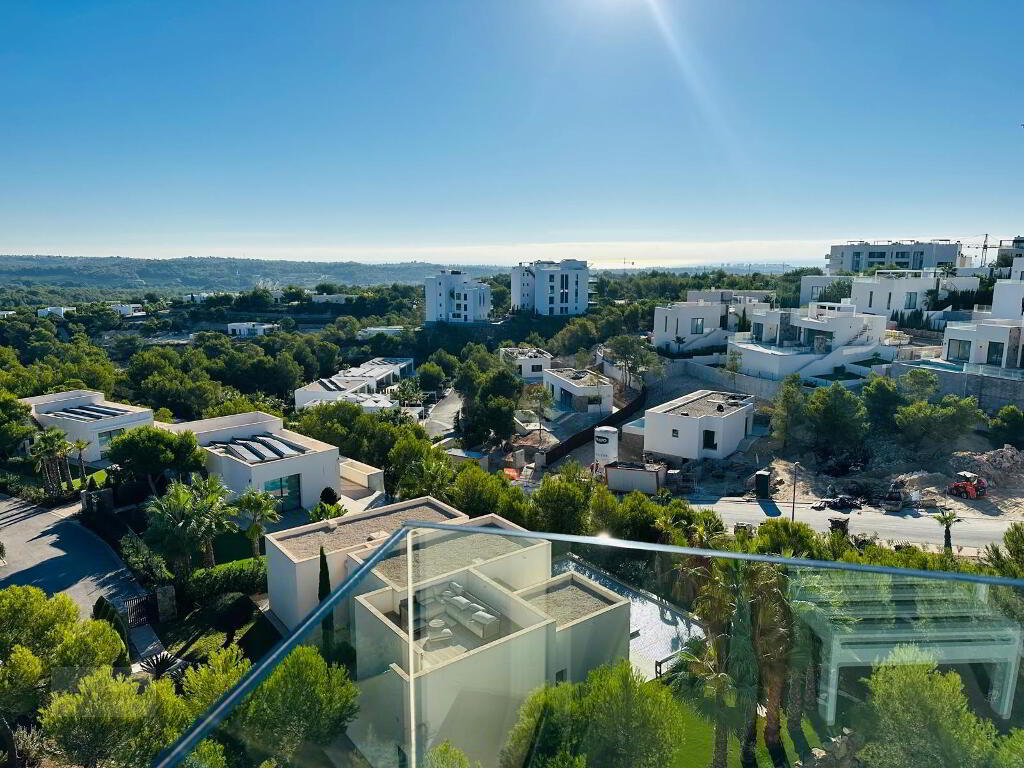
x,y
100,475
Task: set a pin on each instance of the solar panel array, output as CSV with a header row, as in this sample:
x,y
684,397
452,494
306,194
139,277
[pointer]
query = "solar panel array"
x,y
86,413
260,448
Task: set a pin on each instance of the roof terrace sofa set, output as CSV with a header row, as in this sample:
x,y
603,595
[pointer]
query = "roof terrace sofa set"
x,y
449,601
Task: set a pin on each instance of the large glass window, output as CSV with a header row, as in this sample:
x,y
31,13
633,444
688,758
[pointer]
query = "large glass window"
x,y
104,438
910,302
959,351
995,353
287,492
697,325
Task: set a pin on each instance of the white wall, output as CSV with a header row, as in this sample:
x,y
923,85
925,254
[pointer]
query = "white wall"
x,y
532,287
1008,299
883,296
472,306
86,430
676,321
729,429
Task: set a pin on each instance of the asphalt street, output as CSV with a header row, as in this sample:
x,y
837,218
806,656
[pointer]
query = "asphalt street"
x,y
908,525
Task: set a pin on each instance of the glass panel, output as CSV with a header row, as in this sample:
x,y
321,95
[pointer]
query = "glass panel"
x,y
995,353
513,649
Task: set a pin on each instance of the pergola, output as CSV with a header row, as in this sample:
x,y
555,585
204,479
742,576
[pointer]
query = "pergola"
x,y
860,618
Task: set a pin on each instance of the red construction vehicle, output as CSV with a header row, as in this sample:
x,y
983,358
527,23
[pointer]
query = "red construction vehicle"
x,y
968,485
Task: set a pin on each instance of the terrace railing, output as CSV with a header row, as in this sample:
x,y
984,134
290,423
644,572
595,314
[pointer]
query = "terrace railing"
x,y
466,644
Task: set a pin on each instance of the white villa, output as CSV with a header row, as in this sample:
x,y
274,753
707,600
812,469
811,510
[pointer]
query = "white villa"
x,y
579,391
388,330
700,425
82,414
530,362
363,384
904,290
991,339
127,310
251,329
482,623
60,312
811,342
254,450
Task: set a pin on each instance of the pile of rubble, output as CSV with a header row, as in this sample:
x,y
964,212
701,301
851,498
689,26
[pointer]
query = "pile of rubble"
x,y
1003,466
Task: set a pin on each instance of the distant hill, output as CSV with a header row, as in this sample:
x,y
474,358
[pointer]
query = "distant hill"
x,y
209,274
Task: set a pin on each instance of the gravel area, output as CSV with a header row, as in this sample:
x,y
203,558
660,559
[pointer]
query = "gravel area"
x,y
568,602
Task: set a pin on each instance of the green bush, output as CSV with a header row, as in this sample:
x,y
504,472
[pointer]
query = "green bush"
x,y
150,567
104,610
247,576
231,611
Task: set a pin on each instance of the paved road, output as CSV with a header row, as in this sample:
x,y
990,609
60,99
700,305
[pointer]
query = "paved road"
x,y
49,550
915,527
442,418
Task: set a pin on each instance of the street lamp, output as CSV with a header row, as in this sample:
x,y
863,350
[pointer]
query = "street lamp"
x,y
792,511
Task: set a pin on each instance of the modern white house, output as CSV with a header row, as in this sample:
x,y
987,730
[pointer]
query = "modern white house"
x,y
811,286
860,255
333,298
7,313
248,330
705,424
578,391
388,330
60,312
812,341
254,450
551,287
473,623
904,290
689,325
363,384
127,310
991,339
454,297
82,414
729,296
530,362
1013,251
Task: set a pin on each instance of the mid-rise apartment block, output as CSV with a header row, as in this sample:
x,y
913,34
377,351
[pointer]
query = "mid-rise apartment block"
x,y
453,297
551,287
860,255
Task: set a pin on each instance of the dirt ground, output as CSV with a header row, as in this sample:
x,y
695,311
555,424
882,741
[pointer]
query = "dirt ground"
x,y
927,476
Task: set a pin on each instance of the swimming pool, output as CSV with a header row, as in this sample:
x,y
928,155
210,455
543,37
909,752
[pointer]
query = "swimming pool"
x,y
657,630
941,365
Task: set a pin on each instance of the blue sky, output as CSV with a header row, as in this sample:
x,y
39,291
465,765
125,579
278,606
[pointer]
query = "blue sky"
x,y
658,131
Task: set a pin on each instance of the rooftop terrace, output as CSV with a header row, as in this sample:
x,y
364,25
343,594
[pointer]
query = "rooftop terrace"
x,y
704,402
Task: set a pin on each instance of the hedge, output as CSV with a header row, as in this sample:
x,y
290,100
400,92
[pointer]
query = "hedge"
x,y
247,576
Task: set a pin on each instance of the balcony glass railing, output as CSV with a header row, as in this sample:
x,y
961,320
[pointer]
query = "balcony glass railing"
x,y
462,646
1016,374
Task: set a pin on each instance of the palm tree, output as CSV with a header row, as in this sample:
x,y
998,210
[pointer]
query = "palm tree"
x,y
63,467
175,524
45,450
947,270
430,476
947,520
259,508
697,676
210,497
80,446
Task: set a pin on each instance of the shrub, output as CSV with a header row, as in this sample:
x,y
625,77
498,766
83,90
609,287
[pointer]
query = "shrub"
x,y
248,576
30,746
158,665
149,566
329,496
231,611
104,610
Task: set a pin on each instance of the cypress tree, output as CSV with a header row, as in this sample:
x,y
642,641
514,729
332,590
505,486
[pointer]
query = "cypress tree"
x,y
327,625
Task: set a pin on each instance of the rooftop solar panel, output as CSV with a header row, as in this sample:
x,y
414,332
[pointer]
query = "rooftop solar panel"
x,y
239,451
106,410
255,447
70,416
89,416
282,448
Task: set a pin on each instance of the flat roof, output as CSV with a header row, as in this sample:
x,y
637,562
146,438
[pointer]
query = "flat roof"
x,y
345,532
705,402
453,552
525,352
567,601
578,377
258,449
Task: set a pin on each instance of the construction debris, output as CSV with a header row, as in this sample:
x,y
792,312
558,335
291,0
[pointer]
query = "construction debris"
x,y
1003,466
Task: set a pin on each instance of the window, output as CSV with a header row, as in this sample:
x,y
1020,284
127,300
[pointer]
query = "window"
x,y
560,676
666,323
888,301
697,325
709,440
286,491
959,351
995,353
104,438
675,433
910,302
871,298
536,368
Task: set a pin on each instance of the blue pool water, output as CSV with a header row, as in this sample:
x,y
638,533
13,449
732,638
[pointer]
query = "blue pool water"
x,y
942,365
657,629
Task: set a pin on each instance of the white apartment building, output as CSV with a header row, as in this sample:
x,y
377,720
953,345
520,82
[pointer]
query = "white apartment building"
x,y
482,613
579,391
700,425
82,414
551,288
60,312
248,330
530,362
387,330
811,342
904,290
991,338
453,297
127,310
254,450
860,255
